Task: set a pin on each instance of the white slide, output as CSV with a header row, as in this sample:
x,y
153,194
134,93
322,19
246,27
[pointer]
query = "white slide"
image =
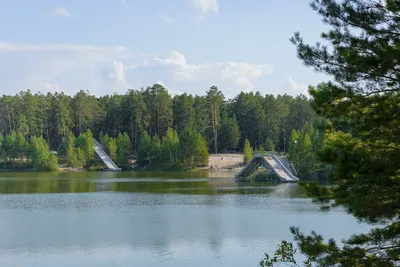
x,y
104,157
280,168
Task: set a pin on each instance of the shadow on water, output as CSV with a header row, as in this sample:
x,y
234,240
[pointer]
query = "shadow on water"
x,y
198,183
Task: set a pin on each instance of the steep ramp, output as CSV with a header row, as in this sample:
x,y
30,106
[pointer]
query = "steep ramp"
x,y
104,157
280,169
271,162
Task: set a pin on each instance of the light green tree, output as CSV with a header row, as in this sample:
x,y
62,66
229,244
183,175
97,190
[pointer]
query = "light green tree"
x,y
201,151
170,148
69,146
21,146
294,148
85,142
123,148
110,146
187,142
144,148
79,158
41,156
248,151
269,145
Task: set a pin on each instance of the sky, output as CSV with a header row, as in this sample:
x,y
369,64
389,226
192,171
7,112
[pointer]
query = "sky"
x,y
108,46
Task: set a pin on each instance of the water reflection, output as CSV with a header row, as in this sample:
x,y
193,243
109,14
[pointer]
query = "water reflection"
x,y
144,219
146,182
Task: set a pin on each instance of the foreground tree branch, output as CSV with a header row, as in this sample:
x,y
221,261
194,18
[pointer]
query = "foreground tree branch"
x,y
362,54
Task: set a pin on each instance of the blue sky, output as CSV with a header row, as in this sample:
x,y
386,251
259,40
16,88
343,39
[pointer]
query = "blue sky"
x,y
107,46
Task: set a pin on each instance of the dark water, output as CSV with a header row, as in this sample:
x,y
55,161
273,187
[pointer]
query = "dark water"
x,y
151,219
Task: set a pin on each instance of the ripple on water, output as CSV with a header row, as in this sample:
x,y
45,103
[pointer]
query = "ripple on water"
x,y
149,229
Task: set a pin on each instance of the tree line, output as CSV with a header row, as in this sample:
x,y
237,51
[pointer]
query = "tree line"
x,y
224,123
16,153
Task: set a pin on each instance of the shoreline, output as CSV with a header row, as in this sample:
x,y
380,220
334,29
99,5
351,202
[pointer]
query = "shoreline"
x,y
222,162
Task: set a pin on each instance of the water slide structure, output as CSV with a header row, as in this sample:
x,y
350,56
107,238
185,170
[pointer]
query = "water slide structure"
x,y
273,164
104,157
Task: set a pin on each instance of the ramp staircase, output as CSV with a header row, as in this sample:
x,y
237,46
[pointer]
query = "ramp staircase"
x,y
271,162
98,148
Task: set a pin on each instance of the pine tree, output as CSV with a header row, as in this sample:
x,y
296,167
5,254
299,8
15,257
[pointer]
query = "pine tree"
x,y
144,149
79,158
294,148
123,148
21,146
248,151
170,148
42,158
85,142
201,151
361,143
187,142
269,145
69,146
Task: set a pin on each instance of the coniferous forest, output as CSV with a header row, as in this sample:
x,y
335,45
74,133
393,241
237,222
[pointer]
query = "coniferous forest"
x,y
173,131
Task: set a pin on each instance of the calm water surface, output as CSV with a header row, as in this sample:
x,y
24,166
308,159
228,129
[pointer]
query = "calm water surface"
x,y
151,219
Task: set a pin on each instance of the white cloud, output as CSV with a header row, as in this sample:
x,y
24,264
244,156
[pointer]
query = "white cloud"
x,y
107,69
165,17
239,74
205,6
54,62
297,88
118,74
51,87
61,11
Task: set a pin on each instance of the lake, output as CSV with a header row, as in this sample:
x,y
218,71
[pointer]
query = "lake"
x,y
152,219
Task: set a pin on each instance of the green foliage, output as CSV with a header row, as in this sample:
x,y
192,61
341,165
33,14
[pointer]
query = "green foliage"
x,y
187,142
361,140
79,159
248,151
144,150
123,148
214,99
229,133
194,150
284,254
170,149
110,146
223,123
2,154
136,115
9,146
184,113
155,147
42,158
21,146
85,142
251,117
159,105
304,147
187,151
200,151
269,145
261,149
69,146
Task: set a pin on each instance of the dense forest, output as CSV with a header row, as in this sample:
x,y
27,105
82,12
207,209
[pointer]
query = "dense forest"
x,y
152,115
224,123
